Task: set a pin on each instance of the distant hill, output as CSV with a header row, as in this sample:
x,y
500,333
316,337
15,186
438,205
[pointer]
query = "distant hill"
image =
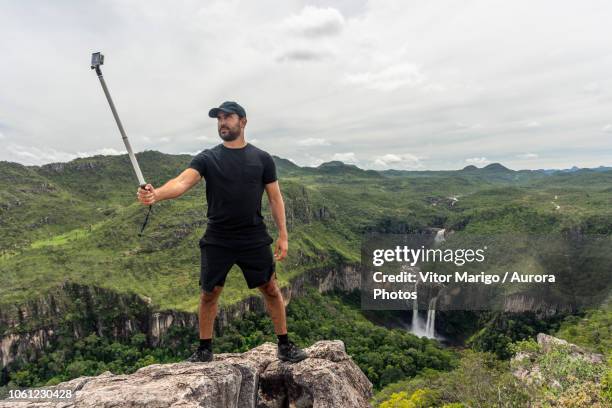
x,y
490,167
339,168
574,169
496,167
285,166
470,168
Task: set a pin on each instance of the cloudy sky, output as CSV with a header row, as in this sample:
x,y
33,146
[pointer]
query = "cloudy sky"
x,y
377,83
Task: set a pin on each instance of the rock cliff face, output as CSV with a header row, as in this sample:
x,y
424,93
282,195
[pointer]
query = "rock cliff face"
x,y
28,328
518,303
256,378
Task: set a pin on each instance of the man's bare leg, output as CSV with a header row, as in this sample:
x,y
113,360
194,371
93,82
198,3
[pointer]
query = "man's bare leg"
x,y
208,311
207,314
275,304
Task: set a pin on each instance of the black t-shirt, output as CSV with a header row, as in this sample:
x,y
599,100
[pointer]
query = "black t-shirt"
x,y
235,180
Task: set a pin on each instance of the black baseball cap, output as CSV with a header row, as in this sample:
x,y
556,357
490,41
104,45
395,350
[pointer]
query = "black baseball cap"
x,y
228,107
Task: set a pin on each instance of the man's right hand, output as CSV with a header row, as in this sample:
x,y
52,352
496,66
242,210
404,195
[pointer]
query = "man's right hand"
x,y
147,196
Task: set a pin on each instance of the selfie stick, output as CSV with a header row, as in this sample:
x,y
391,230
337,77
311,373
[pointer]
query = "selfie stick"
x,y
97,59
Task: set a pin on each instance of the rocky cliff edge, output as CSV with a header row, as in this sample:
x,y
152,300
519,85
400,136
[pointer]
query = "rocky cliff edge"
x,y
256,378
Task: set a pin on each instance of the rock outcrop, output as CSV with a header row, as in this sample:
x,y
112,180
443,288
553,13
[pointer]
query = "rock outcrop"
x,y
548,343
256,378
526,368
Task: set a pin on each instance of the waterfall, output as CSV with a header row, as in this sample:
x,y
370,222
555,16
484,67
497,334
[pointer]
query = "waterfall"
x,y
430,326
419,326
417,323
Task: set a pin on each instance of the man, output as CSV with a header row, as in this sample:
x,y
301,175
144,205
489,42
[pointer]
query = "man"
x,y
236,173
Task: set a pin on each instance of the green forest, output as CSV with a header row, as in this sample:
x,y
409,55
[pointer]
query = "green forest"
x,y
71,260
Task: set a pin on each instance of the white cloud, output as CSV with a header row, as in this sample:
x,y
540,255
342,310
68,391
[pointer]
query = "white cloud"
x,y
608,128
313,141
388,78
390,158
314,22
104,151
478,161
532,124
465,127
348,157
593,88
311,161
207,139
404,161
304,55
32,155
527,156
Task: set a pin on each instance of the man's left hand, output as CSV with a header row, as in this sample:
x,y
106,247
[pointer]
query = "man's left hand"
x,y
280,250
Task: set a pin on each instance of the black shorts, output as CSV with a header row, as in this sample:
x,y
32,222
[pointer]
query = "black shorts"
x,y
257,265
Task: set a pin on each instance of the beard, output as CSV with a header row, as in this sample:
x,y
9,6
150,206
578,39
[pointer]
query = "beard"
x,y
230,134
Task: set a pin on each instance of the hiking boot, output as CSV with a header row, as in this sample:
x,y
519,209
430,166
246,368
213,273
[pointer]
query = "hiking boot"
x,y
290,352
200,356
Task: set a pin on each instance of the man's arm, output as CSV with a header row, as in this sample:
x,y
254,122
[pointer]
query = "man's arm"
x,y
277,207
172,189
